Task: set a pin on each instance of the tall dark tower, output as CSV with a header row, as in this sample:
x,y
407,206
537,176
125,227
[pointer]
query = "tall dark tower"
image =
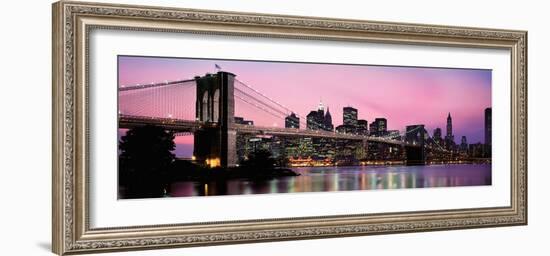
x,y
350,116
312,120
327,122
449,137
449,126
292,121
415,135
437,134
215,144
321,111
488,132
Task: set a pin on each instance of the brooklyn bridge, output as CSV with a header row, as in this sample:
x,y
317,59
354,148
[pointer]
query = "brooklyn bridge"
x,y
204,106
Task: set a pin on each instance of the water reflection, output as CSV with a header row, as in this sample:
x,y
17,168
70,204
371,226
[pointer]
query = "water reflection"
x,y
317,179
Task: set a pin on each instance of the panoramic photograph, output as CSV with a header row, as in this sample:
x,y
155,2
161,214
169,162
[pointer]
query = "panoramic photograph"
x,y
192,127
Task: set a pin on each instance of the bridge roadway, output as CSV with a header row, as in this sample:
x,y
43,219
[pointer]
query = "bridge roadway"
x,y
178,125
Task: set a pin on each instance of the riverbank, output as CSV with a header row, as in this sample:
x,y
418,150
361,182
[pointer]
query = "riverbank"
x,y
343,178
187,171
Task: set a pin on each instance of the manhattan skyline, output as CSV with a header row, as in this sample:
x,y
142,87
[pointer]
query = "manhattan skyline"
x,y
402,95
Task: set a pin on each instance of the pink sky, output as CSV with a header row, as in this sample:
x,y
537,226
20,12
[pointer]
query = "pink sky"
x,y
403,95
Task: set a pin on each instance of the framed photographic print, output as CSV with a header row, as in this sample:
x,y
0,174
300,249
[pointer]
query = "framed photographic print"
x,y
179,127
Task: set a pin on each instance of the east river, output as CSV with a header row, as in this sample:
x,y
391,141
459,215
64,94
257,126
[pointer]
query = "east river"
x,y
345,178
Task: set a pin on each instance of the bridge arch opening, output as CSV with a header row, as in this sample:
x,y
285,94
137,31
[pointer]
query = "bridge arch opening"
x,y
216,106
204,109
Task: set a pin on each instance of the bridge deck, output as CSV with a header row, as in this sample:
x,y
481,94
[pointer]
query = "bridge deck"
x,y
177,125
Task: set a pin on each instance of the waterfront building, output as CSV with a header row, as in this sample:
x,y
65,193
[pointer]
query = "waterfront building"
x,y
350,116
312,121
437,134
476,150
437,137
378,127
362,127
241,120
488,132
346,128
488,122
351,125
327,121
292,121
463,144
373,129
318,120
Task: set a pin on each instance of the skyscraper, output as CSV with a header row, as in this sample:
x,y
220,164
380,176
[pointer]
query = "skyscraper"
x,y
327,121
240,120
437,134
312,121
449,126
350,123
488,130
292,121
373,129
318,120
362,127
321,111
464,144
449,137
350,116
487,149
437,137
381,126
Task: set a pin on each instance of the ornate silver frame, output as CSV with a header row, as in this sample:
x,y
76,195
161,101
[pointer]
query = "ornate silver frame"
x,y
72,21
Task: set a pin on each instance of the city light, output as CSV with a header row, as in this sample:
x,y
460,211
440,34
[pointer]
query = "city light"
x,y
213,163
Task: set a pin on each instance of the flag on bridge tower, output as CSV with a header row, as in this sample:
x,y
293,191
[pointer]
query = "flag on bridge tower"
x,y
218,68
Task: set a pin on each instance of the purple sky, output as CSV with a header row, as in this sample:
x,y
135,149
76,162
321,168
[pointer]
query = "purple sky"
x,y
403,95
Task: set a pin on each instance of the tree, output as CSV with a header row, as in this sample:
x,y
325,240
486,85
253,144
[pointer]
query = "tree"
x,y
144,160
260,159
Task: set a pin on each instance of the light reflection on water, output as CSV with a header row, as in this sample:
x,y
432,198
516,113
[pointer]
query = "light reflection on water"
x,y
346,178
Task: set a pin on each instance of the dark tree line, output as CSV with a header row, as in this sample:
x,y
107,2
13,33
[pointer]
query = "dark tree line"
x,y
145,160
147,165
260,159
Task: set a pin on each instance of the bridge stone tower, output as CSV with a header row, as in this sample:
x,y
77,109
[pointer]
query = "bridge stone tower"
x,y
215,141
416,152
